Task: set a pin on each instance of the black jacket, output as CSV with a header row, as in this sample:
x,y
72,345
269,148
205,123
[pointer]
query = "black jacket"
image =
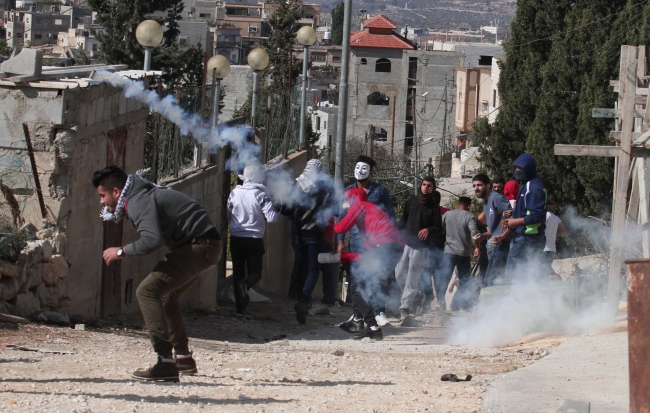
x,y
417,216
309,213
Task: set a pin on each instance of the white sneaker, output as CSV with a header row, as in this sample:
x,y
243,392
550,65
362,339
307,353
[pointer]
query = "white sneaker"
x,y
382,320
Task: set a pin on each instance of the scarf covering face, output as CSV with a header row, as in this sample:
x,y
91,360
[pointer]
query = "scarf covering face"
x,y
307,180
117,216
424,198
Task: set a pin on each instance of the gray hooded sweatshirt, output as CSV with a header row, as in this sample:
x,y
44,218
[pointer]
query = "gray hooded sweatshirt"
x,y
163,216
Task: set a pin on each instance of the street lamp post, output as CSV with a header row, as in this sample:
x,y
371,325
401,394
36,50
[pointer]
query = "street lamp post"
x,y
218,67
306,36
149,34
258,60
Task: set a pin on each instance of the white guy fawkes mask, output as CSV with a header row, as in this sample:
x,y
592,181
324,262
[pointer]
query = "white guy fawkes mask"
x,y
361,171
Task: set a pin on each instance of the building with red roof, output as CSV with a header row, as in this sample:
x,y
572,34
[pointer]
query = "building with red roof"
x,y
386,71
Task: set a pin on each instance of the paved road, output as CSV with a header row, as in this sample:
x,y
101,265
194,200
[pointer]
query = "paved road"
x,y
591,368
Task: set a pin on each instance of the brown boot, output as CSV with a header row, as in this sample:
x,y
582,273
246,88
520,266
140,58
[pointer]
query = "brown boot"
x,y
185,364
164,370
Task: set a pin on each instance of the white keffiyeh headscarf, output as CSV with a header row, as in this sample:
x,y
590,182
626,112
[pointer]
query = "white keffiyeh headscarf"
x,y
307,180
117,216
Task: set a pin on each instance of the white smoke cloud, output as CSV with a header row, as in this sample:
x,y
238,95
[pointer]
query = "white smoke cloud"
x,y
531,304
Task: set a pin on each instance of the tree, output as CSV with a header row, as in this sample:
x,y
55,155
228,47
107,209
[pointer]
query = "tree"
x,y
526,50
280,44
82,58
556,122
5,50
119,45
337,24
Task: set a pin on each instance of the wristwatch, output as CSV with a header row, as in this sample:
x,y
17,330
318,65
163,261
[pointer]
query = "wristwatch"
x,y
120,253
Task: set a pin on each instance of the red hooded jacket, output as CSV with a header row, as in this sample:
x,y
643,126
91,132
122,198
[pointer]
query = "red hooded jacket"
x,y
373,223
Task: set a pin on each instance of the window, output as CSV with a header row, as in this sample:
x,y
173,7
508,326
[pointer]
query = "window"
x,y
378,99
460,97
182,40
317,122
58,22
38,36
336,59
252,29
382,66
364,61
27,35
206,15
95,47
8,35
380,134
485,61
324,125
486,107
19,35
494,97
27,20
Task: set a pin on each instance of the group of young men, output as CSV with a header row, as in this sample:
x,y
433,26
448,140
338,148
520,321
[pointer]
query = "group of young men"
x,y
428,242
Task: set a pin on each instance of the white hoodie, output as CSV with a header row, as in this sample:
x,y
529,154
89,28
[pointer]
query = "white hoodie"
x,y
248,205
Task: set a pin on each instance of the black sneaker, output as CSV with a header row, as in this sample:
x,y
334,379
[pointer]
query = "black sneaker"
x,y
369,333
242,291
302,309
352,326
163,370
185,364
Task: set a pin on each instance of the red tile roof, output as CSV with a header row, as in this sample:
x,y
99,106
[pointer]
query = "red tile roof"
x,y
381,41
380,22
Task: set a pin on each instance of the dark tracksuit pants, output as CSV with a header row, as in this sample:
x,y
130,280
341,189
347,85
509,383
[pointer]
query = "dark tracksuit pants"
x,y
247,254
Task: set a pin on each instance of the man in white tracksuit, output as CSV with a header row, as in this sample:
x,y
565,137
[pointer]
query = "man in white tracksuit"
x,y
248,208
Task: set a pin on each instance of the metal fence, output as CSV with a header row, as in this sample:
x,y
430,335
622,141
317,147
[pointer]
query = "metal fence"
x,y
171,155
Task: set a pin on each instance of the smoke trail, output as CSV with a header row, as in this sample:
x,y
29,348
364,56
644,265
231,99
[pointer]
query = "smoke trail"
x,y
280,184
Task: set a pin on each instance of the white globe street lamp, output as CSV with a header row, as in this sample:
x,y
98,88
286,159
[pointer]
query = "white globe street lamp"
x,y
218,68
149,34
306,36
258,60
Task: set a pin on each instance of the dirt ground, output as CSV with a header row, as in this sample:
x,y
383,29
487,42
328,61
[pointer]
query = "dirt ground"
x,y
316,368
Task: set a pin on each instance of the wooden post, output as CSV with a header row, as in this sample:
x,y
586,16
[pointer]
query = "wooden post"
x,y
628,81
644,192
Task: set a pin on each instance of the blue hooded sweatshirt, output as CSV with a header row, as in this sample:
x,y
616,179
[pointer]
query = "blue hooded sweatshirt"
x,y
531,202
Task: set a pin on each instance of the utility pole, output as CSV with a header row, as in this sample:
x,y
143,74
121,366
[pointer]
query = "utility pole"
x,y
370,141
341,127
416,142
444,123
496,32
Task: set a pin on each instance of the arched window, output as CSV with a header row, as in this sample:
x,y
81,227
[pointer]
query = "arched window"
x,y
378,99
382,65
364,61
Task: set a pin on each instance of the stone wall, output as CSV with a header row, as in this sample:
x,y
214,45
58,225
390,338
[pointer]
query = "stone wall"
x,y
37,281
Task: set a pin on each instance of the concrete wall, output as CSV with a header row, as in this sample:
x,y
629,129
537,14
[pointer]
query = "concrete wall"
x,y
237,85
204,187
495,99
472,51
434,69
279,256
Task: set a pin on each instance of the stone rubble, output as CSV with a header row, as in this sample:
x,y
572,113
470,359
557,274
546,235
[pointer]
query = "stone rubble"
x,y
36,281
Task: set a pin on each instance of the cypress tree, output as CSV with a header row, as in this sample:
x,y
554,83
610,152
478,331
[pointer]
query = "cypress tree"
x,y
337,24
570,64
280,44
526,51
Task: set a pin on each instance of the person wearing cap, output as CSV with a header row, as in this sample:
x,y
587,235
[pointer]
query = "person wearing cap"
x,y
310,199
248,209
460,226
528,222
380,196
